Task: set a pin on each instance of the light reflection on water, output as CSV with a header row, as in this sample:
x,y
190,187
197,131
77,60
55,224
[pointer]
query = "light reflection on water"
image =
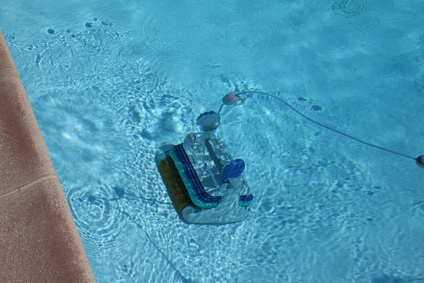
x,y
108,95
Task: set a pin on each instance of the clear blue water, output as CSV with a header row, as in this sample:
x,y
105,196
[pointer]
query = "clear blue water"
x,y
111,82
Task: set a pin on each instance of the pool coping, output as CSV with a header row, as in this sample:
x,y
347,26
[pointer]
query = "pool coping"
x,y
39,241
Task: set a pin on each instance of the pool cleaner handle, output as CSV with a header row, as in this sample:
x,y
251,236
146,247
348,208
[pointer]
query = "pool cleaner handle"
x,y
208,121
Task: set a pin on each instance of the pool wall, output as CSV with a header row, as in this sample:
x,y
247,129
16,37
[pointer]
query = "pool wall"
x,y
39,241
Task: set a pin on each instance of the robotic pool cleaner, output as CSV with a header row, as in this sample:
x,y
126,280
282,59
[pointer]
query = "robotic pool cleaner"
x,y
205,183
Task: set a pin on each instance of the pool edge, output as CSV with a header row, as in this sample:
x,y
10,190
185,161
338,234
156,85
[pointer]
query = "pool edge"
x,y
39,241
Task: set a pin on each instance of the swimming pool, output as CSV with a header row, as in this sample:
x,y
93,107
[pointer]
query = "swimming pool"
x,y
111,83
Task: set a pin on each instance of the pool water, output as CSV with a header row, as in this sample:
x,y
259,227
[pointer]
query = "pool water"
x,y
110,83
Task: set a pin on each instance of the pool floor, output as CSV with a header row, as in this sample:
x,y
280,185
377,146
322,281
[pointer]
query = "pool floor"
x,y
108,91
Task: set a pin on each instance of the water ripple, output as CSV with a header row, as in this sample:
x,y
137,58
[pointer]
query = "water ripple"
x,y
96,217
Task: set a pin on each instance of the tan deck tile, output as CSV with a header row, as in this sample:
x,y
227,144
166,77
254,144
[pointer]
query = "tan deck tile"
x,y
39,241
38,237
23,153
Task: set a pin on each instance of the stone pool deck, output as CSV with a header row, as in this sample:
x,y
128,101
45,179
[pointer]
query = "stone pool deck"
x,y
39,241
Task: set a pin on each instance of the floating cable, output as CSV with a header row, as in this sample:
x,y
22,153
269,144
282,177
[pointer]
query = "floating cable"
x,y
324,126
